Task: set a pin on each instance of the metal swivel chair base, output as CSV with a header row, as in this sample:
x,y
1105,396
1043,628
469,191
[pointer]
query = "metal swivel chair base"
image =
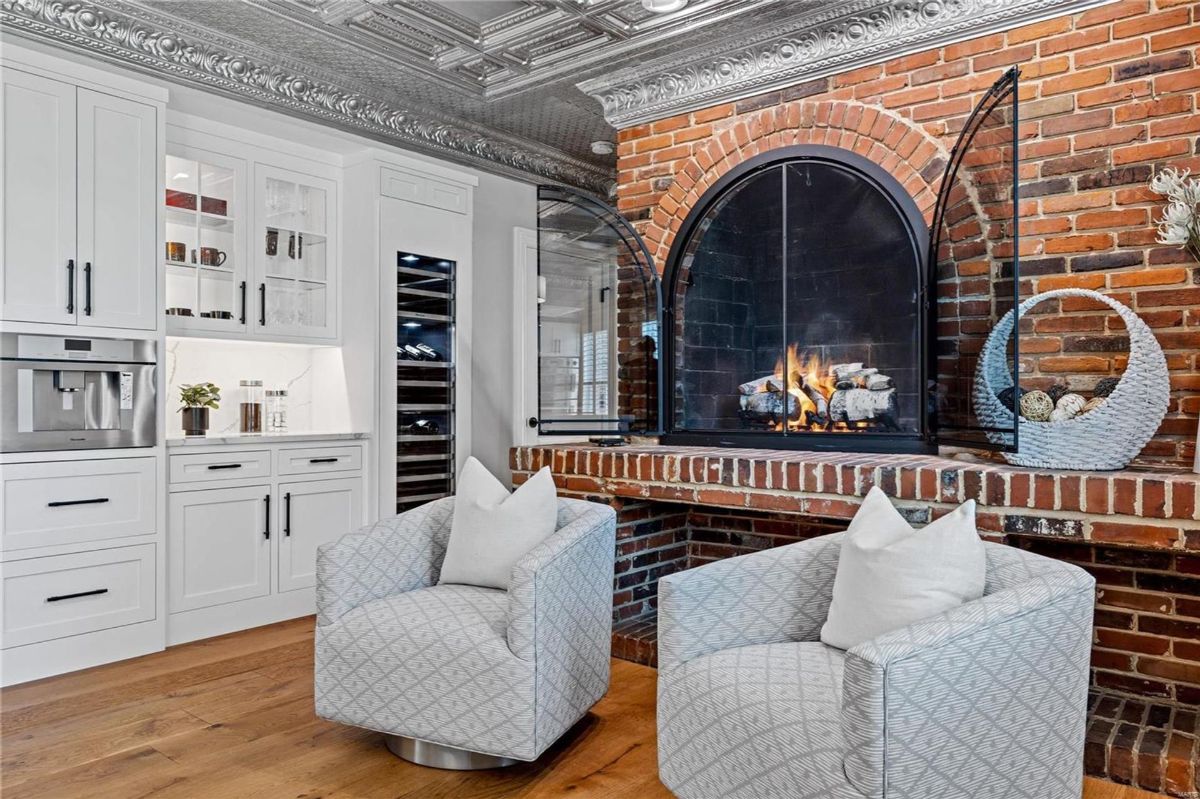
x,y
424,753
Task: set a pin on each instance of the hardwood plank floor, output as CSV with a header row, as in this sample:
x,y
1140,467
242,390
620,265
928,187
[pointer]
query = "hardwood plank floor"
x,y
233,717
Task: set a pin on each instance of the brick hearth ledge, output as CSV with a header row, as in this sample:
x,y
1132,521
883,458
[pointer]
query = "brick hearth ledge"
x,y
1146,509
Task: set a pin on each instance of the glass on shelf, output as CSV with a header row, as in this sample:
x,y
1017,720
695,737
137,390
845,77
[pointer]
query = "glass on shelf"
x,y
295,303
294,206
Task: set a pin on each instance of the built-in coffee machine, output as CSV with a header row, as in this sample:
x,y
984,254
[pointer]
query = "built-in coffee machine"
x,y
59,392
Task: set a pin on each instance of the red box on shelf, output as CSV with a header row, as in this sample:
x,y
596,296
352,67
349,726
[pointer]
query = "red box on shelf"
x,y
181,199
214,205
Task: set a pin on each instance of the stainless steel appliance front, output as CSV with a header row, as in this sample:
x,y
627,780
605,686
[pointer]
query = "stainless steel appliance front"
x,y
60,392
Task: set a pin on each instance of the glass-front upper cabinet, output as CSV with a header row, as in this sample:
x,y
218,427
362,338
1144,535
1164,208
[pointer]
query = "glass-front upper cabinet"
x,y
295,286
204,260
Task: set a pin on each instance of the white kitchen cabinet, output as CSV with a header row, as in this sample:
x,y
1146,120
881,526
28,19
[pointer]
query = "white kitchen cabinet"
x,y
205,262
78,501
80,212
314,512
244,526
295,251
219,546
38,275
63,595
117,212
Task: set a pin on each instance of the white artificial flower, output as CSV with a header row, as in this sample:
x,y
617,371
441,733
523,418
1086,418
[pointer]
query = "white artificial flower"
x,y
1172,234
1178,214
1169,181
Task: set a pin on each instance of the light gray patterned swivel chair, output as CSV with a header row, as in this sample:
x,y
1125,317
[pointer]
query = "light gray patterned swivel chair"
x,y
984,701
459,676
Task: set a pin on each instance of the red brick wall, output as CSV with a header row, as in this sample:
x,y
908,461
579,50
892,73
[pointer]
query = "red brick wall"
x,y
1107,96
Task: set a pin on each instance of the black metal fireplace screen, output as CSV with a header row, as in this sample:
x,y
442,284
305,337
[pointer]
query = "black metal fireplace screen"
x,y
805,303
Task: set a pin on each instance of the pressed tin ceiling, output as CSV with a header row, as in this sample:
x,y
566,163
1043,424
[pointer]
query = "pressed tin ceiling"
x,y
493,83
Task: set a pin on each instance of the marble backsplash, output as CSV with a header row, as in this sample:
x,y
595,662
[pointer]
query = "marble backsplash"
x,y
312,376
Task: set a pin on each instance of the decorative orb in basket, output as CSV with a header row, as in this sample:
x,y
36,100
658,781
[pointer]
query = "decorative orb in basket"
x,y
1107,437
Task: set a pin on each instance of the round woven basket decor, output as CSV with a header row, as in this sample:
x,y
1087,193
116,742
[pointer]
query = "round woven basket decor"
x,y
1109,436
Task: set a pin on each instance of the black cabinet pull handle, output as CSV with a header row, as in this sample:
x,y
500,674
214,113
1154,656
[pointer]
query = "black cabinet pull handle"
x,y
214,466
323,460
70,285
267,517
87,288
242,320
287,514
61,597
262,304
62,503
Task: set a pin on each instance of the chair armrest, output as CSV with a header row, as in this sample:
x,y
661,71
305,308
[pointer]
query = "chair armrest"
x,y
560,615
394,555
1007,673
776,595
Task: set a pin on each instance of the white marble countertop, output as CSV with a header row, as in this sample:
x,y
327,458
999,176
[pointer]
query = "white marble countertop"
x,y
264,438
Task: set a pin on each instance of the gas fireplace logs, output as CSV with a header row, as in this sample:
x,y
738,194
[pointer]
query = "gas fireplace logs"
x,y
851,397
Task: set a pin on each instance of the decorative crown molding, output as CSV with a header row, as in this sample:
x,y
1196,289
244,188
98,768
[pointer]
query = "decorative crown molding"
x,y
249,75
806,48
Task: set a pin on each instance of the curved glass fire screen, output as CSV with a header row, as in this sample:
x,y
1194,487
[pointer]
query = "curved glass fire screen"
x,y
796,291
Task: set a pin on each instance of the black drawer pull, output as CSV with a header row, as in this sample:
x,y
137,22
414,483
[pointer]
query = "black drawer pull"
x,y
65,502
267,518
215,466
323,460
287,514
94,592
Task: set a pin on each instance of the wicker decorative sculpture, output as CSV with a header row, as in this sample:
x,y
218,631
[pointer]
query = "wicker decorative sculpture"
x,y
1110,434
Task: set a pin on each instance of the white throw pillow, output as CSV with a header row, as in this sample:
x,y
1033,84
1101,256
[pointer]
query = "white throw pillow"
x,y
492,528
890,575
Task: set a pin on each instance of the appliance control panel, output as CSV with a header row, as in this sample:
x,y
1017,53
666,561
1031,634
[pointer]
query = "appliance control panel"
x,y
66,348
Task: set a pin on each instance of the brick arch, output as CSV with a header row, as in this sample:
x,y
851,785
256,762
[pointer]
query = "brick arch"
x,y
915,158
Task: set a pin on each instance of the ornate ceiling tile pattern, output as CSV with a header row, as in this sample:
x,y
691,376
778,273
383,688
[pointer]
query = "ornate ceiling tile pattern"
x,y
491,49
854,35
258,76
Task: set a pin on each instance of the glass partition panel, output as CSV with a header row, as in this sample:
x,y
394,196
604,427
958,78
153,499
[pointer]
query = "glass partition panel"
x,y
598,320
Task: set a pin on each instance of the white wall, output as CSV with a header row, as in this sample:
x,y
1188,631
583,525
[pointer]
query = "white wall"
x,y
500,205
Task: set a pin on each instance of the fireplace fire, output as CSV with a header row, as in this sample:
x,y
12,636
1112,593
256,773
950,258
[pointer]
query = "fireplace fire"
x,y
820,397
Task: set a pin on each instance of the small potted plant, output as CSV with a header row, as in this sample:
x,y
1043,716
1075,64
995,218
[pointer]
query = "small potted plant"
x,y
196,400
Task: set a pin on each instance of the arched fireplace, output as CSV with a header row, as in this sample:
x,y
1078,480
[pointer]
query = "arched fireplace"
x,y
797,296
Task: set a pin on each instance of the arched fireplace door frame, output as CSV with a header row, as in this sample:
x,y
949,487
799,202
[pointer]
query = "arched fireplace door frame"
x,y
906,210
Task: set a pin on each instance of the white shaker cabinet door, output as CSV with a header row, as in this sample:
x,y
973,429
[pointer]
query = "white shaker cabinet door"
x,y
219,546
118,211
37,186
313,513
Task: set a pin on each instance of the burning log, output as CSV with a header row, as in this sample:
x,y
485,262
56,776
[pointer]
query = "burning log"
x,y
820,416
855,405
768,383
767,407
846,378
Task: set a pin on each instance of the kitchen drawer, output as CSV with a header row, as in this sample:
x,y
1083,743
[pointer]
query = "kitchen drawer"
x,y
61,595
315,460
208,466
68,502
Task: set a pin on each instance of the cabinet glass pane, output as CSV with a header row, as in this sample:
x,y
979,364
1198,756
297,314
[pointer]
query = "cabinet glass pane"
x,y
204,278
295,303
293,254
182,236
295,206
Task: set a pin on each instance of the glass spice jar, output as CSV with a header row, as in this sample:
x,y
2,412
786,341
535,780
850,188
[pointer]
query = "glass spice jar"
x,y
250,414
277,411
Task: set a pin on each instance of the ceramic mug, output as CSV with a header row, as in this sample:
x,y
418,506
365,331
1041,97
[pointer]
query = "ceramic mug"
x,y
176,251
211,256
